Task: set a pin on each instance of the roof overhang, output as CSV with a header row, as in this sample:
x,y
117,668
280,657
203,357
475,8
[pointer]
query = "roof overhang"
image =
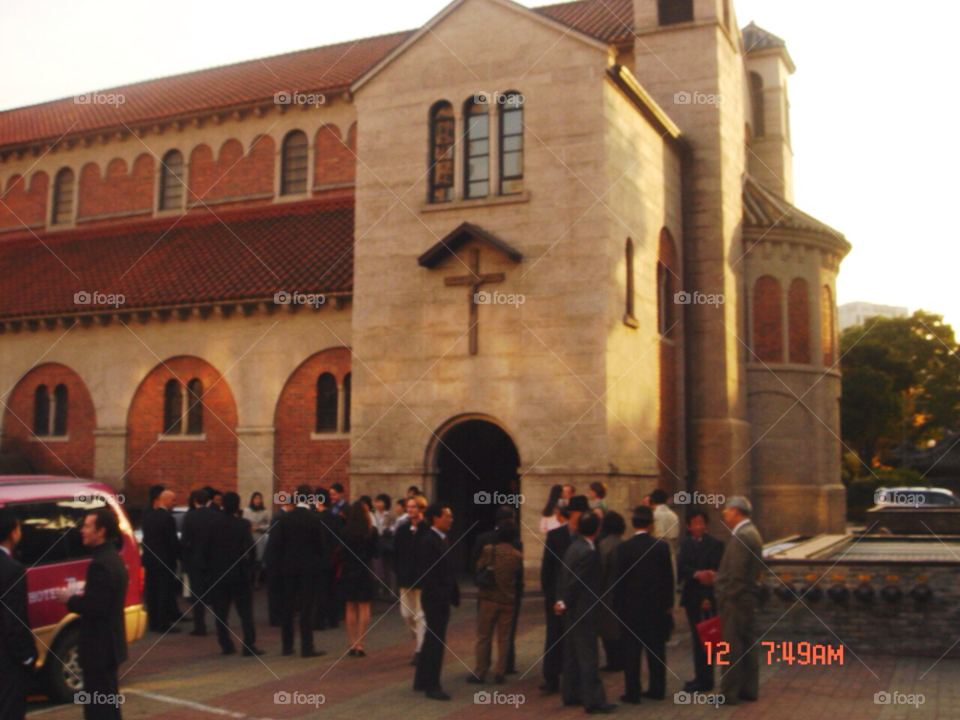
x,y
641,99
465,233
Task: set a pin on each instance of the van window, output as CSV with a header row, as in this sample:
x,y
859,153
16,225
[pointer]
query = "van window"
x,y
51,530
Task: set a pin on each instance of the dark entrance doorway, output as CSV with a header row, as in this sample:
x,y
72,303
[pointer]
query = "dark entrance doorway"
x,y
474,457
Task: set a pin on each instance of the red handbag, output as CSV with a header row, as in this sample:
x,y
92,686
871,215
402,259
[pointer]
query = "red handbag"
x,y
709,631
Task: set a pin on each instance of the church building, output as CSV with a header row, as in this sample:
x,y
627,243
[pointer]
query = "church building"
x,y
512,248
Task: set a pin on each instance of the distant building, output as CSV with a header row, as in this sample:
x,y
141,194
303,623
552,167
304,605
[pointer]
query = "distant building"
x,y
855,313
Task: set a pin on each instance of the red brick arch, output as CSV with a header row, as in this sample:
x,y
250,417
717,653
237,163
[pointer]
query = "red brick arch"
x,y
23,204
298,458
181,464
71,454
334,159
118,190
767,320
233,173
798,321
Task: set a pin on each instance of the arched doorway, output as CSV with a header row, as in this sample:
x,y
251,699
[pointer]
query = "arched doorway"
x,y
474,456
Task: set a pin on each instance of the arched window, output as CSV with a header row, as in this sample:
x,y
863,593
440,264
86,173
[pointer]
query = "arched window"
x,y
511,144
664,299
60,410
442,133
63,198
756,102
629,316
293,167
827,328
672,12
326,404
346,402
41,411
171,181
798,321
767,320
172,408
477,166
195,407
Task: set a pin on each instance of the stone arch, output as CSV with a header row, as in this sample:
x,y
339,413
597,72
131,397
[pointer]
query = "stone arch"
x,y
301,455
185,462
69,454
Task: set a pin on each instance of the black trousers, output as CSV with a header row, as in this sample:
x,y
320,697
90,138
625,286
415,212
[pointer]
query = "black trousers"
x,y
275,595
299,594
239,594
704,672
160,595
437,613
13,691
553,647
613,649
654,644
581,668
100,682
328,614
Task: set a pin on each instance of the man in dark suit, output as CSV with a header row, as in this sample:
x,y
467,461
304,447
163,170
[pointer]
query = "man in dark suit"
x,y
17,649
504,512
297,543
558,541
700,553
150,584
161,551
439,591
578,600
643,600
328,608
103,637
231,557
283,502
197,528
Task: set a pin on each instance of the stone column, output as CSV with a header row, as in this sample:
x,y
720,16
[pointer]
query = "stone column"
x,y
255,466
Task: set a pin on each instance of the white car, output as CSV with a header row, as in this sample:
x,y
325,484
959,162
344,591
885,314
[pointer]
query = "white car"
x,y
915,497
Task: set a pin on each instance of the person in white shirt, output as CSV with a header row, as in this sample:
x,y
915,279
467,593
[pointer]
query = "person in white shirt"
x,y
666,524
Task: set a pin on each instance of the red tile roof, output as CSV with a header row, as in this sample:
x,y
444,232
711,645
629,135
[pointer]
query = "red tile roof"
x,y
322,69
608,20
244,255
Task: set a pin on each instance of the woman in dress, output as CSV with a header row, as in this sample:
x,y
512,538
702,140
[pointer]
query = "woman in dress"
x,y
360,546
598,497
259,519
551,511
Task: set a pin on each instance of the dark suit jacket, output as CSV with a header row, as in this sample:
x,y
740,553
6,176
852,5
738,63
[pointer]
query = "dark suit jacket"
x,y
103,636
16,641
581,581
438,579
696,555
558,541
161,545
643,583
332,527
296,542
229,553
406,538
197,528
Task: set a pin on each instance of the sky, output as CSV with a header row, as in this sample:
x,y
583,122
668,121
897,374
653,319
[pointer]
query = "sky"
x,y
873,157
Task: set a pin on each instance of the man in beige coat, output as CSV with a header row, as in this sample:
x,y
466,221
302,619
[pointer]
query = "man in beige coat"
x,y
737,589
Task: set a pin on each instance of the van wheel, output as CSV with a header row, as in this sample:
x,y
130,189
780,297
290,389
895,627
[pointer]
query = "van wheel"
x,y
64,677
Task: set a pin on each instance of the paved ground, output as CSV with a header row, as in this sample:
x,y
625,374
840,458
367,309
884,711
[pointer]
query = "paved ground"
x,y
183,678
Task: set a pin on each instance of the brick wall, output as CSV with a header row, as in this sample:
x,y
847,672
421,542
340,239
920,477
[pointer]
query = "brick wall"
x,y
181,464
297,457
335,162
56,455
118,191
233,174
798,321
22,204
767,320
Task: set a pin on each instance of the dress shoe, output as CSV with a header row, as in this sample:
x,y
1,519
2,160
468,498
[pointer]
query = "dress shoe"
x,y
437,695
601,709
572,703
313,653
360,653
500,679
230,650
748,698
630,700
475,679
252,651
287,653
416,659
549,689
648,694
198,633
351,652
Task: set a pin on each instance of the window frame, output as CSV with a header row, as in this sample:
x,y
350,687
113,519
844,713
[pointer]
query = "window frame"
x,y
469,112
167,172
285,165
504,109
435,161
58,214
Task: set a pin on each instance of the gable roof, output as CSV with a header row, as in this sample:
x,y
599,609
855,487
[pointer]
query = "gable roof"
x,y
324,69
608,20
456,239
194,260
756,39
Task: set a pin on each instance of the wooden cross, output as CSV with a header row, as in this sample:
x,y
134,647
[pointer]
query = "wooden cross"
x,y
473,282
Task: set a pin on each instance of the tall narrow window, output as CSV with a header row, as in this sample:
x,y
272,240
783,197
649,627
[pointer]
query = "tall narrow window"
x,y
442,134
293,168
827,328
195,407
60,410
171,181
672,12
756,102
628,314
511,144
664,299
172,408
346,402
41,411
477,180
767,320
798,321
326,404
63,197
